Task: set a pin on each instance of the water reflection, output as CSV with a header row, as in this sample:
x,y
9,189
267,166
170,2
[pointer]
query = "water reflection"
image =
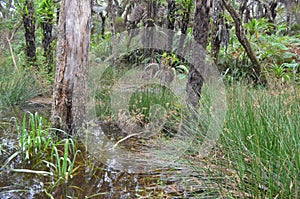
x,y
92,179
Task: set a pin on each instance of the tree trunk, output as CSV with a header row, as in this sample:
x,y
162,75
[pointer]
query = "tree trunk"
x,y
73,43
103,20
201,22
171,23
112,15
184,25
200,32
218,29
29,25
149,23
47,26
240,33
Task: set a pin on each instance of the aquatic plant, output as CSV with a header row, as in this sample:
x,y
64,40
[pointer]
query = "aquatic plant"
x,y
62,166
35,135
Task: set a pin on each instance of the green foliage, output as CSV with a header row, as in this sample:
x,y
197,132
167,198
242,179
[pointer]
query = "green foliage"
x,y
16,87
257,155
101,48
63,166
35,137
45,11
37,145
269,137
279,55
141,101
103,93
261,142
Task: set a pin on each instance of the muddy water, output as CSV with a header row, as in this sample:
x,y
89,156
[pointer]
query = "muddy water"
x,y
92,179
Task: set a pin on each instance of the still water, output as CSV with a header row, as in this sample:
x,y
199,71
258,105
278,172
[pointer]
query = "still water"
x,y
92,178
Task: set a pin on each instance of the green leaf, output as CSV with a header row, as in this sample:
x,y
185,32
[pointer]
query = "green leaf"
x,y
182,69
281,46
291,65
288,55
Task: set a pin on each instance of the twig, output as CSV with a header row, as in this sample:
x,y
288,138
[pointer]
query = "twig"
x,y
125,138
10,46
12,54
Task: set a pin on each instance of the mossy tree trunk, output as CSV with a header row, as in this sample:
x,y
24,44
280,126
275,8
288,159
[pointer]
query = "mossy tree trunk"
x,y
29,22
47,15
73,44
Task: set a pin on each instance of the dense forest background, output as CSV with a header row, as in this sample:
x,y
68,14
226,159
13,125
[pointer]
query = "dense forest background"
x,y
245,38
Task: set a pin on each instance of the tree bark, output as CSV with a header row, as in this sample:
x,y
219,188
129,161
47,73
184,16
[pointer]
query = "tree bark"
x,y
47,26
218,29
240,33
103,20
186,10
73,43
200,32
112,15
29,25
201,21
171,23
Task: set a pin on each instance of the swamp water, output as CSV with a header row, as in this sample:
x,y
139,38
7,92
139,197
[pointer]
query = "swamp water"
x,y
92,179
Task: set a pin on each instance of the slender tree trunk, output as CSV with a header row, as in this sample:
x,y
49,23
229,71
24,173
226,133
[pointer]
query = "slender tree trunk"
x,y
171,22
243,8
240,33
289,14
218,29
273,5
200,32
47,26
149,23
29,25
111,13
103,20
296,11
73,43
184,26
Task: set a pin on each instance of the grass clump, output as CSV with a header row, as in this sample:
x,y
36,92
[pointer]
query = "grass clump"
x,y
62,161
35,137
16,87
42,152
262,141
142,100
258,154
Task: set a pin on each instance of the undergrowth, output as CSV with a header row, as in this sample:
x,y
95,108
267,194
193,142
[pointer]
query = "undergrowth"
x,y
258,153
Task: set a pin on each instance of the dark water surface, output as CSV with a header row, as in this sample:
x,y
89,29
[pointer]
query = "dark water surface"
x,y
91,180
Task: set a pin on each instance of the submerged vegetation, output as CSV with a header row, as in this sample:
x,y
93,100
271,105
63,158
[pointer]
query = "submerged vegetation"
x,y
41,152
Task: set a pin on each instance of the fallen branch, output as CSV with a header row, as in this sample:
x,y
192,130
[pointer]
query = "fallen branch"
x,y
125,138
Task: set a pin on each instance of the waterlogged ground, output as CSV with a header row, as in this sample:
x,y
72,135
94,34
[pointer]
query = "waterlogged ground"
x,y
91,178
